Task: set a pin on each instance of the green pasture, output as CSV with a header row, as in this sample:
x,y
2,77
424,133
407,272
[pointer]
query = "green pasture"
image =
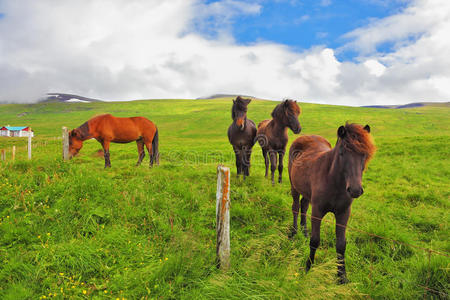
x,y
73,230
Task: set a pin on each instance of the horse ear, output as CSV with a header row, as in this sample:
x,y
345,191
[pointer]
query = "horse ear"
x,y
234,101
367,128
341,132
247,101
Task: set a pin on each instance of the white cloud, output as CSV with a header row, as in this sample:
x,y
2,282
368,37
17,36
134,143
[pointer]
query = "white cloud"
x,y
375,67
131,49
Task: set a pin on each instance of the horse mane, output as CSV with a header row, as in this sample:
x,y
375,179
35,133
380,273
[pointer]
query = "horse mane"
x,y
358,140
239,104
278,111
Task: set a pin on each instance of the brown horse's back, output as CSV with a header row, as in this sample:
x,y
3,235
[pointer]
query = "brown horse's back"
x,y
262,125
122,130
308,143
303,152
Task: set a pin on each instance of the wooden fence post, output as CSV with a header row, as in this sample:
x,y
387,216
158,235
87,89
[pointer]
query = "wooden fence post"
x,y
13,153
223,217
3,154
29,143
65,138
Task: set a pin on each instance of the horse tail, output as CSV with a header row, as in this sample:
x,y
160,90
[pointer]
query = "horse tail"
x,y
155,144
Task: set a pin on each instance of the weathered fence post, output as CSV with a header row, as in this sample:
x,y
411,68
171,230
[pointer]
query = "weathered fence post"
x,y
65,138
13,153
29,143
3,154
223,217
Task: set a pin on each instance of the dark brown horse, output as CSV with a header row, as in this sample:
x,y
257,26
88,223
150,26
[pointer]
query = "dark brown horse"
x,y
241,135
329,179
107,128
272,134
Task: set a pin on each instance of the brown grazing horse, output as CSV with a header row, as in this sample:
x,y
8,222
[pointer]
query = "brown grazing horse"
x,y
272,134
330,179
241,135
107,128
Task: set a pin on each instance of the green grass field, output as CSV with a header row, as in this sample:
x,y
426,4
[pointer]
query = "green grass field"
x,y
75,230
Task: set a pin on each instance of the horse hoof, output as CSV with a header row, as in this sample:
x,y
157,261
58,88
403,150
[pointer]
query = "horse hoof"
x,y
343,280
292,234
308,265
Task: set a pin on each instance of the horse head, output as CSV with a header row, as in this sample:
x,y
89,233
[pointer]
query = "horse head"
x,y
75,142
287,113
354,149
239,111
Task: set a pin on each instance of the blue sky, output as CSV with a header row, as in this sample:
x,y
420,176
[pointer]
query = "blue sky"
x,y
305,24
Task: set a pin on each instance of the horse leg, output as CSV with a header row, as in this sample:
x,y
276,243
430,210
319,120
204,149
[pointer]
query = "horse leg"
x,y
304,208
295,208
105,145
316,219
280,165
248,155
273,164
237,153
341,224
141,152
148,145
243,162
266,161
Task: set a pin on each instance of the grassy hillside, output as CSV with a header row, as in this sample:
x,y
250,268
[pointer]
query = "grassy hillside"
x,y
75,230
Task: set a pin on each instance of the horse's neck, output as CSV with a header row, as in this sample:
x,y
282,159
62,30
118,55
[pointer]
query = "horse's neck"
x,y
278,127
335,169
85,132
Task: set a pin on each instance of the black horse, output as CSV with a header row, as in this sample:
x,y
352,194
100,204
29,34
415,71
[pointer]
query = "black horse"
x,y
241,135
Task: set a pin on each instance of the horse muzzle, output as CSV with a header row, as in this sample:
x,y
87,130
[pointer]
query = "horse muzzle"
x,y
296,129
355,192
241,124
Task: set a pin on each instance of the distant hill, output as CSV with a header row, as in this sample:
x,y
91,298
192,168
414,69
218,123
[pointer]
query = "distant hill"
x,y
216,96
410,105
63,97
60,97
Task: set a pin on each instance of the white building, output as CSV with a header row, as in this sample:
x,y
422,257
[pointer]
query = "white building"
x,y
16,131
